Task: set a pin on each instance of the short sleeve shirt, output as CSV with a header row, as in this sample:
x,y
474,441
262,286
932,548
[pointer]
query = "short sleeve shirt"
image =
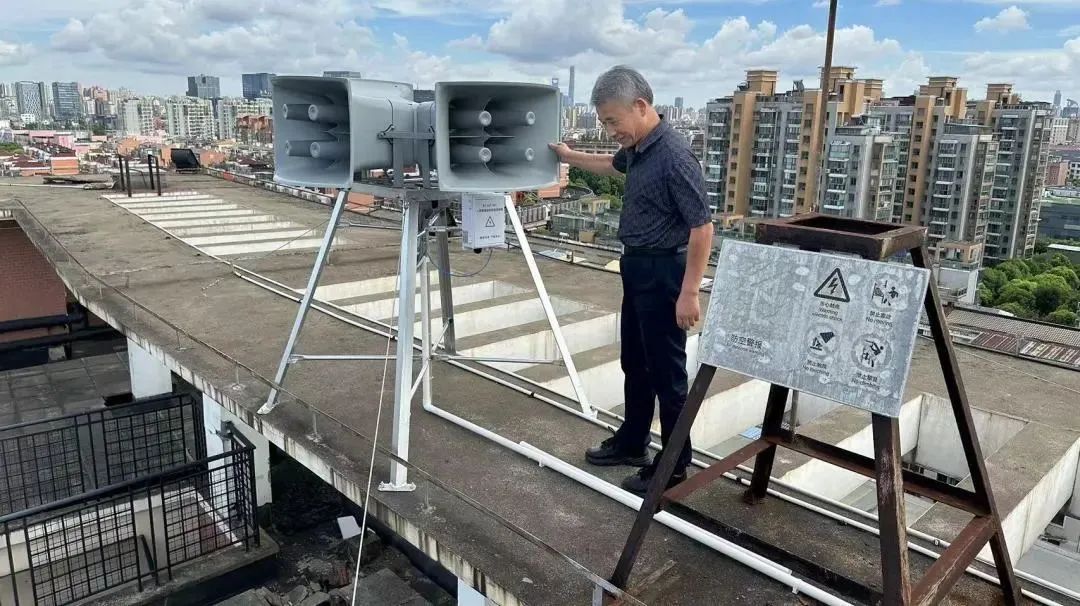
x,y
665,190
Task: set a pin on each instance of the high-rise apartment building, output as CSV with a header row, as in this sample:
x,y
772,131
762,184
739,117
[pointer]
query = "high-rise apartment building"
x,y
762,150
917,120
137,117
67,101
859,172
1059,131
204,87
29,100
1022,132
47,105
960,187
190,118
257,86
229,110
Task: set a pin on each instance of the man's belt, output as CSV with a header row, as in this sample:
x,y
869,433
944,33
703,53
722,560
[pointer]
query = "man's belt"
x,y
647,251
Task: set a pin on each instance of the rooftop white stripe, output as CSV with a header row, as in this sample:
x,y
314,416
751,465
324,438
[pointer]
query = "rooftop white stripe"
x,y
130,201
151,214
182,232
258,247
215,221
248,236
144,212
204,214
181,204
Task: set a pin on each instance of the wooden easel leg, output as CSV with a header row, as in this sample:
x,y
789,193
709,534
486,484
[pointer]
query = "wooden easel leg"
x,y
892,519
966,427
662,475
763,464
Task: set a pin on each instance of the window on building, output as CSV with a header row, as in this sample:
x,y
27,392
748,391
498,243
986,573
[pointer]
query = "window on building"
x,y
853,181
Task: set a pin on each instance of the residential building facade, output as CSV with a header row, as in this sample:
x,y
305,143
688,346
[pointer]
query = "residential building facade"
x,y
190,118
1022,131
859,173
137,117
229,110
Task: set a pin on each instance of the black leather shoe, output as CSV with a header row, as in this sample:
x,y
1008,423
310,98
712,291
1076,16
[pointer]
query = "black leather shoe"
x,y
638,483
609,453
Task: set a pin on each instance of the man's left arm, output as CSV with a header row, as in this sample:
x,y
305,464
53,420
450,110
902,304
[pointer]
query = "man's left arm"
x,y
686,184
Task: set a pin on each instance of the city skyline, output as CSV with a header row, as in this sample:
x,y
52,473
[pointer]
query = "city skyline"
x,y
693,50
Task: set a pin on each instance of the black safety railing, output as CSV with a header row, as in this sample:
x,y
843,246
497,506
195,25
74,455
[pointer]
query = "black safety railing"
x,y
137,531
48,460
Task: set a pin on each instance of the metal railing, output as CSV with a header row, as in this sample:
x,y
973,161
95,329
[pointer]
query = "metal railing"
x,y
48,460
136,531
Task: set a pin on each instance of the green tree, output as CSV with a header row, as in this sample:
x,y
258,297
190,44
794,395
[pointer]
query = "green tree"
x,y
994,279
1014,269
1062,316
1069,274
1016,309
97,129
1051,295
985,295
1020,292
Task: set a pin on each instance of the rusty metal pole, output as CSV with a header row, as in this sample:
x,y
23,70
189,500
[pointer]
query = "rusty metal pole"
x,y
127,172
823,104
150,168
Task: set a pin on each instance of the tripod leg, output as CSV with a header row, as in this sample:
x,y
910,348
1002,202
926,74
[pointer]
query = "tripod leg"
x,y
305,302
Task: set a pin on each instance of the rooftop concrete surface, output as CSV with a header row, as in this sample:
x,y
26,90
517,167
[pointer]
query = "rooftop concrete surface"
x,y
60,388
79,229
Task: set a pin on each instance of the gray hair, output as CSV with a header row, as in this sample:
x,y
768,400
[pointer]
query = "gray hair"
x,y
621,83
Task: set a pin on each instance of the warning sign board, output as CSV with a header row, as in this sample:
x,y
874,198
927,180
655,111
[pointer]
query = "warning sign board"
x,y
838,327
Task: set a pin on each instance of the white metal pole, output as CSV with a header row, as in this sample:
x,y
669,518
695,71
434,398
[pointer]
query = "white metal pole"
x,y
305,302
425,327
403,367
549,311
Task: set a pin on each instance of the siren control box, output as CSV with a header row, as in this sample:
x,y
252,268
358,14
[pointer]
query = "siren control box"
x,y
483,220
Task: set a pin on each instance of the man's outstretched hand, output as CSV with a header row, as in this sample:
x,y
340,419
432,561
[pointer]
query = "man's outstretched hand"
x,y
561,150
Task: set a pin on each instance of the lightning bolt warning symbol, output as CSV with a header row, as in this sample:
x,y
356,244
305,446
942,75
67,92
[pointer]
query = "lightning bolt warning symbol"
x,y
833,288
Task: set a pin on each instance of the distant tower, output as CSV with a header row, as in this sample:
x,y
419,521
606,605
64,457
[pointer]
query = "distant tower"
x,y
571,90
1057,103
679,102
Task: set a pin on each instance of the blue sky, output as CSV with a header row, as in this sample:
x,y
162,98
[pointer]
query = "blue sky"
x,y
697,49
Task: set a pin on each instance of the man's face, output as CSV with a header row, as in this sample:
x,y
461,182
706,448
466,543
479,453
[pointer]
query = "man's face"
x,y
624,122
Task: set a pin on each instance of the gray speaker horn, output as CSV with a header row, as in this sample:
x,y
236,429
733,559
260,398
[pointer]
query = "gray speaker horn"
x,y
493,136
326,129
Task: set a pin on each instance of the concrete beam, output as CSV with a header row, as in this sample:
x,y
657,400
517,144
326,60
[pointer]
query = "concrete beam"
x,y
149,377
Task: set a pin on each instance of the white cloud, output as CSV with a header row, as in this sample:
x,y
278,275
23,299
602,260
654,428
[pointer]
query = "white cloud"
x,y
1010,19
821,4
173,36
887,3
14,54
1070,32
473,42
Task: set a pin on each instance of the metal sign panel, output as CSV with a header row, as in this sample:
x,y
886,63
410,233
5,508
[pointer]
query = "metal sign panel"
x,y
842,328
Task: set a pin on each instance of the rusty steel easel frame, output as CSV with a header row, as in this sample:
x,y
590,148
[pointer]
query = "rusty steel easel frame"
x,y
874,241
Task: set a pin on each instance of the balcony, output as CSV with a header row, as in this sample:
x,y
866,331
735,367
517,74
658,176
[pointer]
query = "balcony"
x,y
120,499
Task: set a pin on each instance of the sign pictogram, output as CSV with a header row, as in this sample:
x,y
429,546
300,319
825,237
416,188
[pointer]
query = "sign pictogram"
x,y
833,288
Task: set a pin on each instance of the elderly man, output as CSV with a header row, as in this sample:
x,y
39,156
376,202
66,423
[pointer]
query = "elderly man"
x,y
666,234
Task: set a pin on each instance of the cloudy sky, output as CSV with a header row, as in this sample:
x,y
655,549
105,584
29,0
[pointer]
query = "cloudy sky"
x,y
697,49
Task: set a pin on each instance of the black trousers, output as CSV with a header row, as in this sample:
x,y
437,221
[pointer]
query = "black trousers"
x,y
653,350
